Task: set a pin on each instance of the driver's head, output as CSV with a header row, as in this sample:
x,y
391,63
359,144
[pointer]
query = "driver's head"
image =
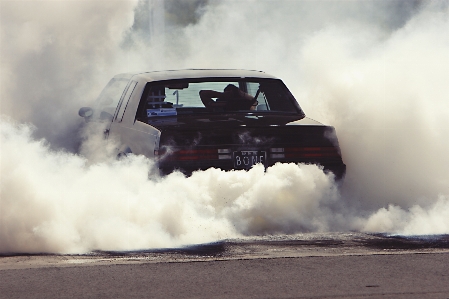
x,y
232,88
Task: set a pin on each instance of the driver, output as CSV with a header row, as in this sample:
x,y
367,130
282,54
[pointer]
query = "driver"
x,y
231,99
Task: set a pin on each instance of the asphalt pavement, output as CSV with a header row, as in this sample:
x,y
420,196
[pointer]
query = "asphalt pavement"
x,y
289,268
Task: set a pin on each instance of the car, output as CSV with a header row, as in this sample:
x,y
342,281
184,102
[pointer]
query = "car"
x,y
195,119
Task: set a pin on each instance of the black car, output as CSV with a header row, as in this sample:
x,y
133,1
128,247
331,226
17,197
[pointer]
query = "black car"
x,y
196,119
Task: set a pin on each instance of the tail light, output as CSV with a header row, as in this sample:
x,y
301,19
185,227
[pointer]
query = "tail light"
x,y
193,154
304,152
309,153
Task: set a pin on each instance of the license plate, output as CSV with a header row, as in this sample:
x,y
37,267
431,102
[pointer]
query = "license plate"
x,y
246,159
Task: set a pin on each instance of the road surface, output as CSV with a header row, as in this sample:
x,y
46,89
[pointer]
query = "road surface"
x,y
306,266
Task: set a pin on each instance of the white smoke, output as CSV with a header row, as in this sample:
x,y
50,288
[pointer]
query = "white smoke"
x,y
414,221
388,102
377,71
58,202
55,54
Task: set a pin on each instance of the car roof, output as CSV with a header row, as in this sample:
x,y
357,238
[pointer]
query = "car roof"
x,y
196,73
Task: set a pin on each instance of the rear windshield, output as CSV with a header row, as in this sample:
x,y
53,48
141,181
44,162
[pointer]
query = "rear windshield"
x,y
175,97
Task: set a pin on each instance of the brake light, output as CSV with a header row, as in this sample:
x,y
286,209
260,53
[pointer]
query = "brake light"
x,y
304,152
193,154
202,154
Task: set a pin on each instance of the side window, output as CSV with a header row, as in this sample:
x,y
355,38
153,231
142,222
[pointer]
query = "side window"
x,y
109,98
124,103
153,103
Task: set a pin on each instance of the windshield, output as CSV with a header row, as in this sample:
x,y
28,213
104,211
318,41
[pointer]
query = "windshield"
x,y
174,97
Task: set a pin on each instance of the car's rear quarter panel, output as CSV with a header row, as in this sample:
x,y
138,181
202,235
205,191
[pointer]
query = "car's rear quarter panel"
x,y
134,136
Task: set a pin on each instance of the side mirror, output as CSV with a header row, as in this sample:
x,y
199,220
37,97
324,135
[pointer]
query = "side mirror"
x,y
86,112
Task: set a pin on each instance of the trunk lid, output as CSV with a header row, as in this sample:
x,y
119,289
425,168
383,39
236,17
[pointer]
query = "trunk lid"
x,y
191,142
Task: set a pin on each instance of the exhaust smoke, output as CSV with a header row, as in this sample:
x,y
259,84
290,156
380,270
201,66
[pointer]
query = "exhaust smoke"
x,y
377,71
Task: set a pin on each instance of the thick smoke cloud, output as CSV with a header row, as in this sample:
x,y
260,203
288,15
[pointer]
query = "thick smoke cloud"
x,y
388,102
53,54
376,70
59,202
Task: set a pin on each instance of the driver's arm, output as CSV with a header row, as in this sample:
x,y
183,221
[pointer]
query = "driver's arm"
x,y
207,95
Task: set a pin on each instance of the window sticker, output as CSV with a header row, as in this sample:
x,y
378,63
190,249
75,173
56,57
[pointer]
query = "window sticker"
x,y
161,112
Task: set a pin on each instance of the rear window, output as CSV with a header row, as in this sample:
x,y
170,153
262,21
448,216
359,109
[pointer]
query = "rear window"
x,y
174,97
